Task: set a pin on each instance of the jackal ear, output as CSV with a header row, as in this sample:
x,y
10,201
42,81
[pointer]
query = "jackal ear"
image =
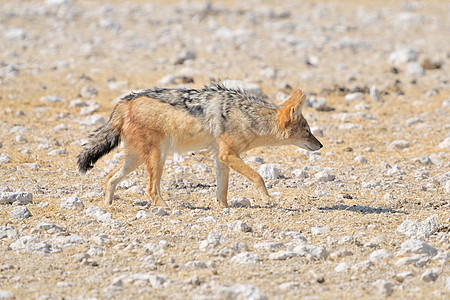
x,y
291,108
296,106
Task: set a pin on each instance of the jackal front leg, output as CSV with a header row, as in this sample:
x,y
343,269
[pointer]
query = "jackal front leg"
x,y
237,164
222,172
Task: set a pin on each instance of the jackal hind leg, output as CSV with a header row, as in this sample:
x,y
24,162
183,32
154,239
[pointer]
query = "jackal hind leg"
x,y
222,174
128,164
236,163
155,162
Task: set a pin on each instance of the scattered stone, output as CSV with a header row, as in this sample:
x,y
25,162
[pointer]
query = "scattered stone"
x,y
354,97
238,225
381,254
360,159
240,291
431,274
142,214
167,80
395,171
398,144
4,159
14,34
6,295
342,267
52,99
239,201
281,255
269,171
72,202
417,247
160,211
196,264
319,230
324,176
88,92
20,212
413,121
374,93
184,56
21,198
424,228
57,152
299,173
414,68
350,126
400,277
246,258
319,103
403,55
93,120
445,144
384,287
214,239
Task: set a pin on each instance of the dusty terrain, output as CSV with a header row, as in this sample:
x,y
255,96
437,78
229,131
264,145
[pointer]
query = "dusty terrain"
x,y
366,217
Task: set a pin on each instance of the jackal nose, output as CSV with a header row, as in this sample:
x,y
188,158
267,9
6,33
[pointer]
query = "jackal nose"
x,y
320,146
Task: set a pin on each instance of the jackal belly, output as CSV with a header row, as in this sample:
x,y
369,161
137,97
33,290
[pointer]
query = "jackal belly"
x,y
174,129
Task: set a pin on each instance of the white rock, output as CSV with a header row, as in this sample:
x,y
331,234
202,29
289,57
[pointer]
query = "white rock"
x,y
354,97
240,291
384,287
93,120
445,144
395,170
269,246
319,230
238,225
117,85
414,68
381,254
417,247
281,255
51,99
88,92
299,173
324,176
402,276
87,110
413,121
269,171
142,214
268,73
239,201
160,211
425,228
167,80
318,103
350,126
49,227
374,93
403,55
77,103
342,267
246,258
4,159
6,295
57,152
446,103
360,159
72,202
20,212
431,274
447,187
22,198
316,252
196,264
398,144
214,240
242,85
14,33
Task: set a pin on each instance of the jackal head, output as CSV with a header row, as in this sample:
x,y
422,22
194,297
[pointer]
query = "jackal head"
x,y
293,127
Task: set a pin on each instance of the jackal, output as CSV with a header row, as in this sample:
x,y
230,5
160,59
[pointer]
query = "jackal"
x,y
228,122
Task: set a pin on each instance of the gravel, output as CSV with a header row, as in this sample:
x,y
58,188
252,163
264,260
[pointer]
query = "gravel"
x,y
364,217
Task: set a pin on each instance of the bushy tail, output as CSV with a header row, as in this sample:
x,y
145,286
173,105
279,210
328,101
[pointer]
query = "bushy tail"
x,y
101,142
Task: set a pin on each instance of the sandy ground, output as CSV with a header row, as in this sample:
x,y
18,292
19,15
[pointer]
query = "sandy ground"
x,y
328,49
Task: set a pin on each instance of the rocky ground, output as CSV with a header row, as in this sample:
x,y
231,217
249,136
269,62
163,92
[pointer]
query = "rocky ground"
x,y
365,217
